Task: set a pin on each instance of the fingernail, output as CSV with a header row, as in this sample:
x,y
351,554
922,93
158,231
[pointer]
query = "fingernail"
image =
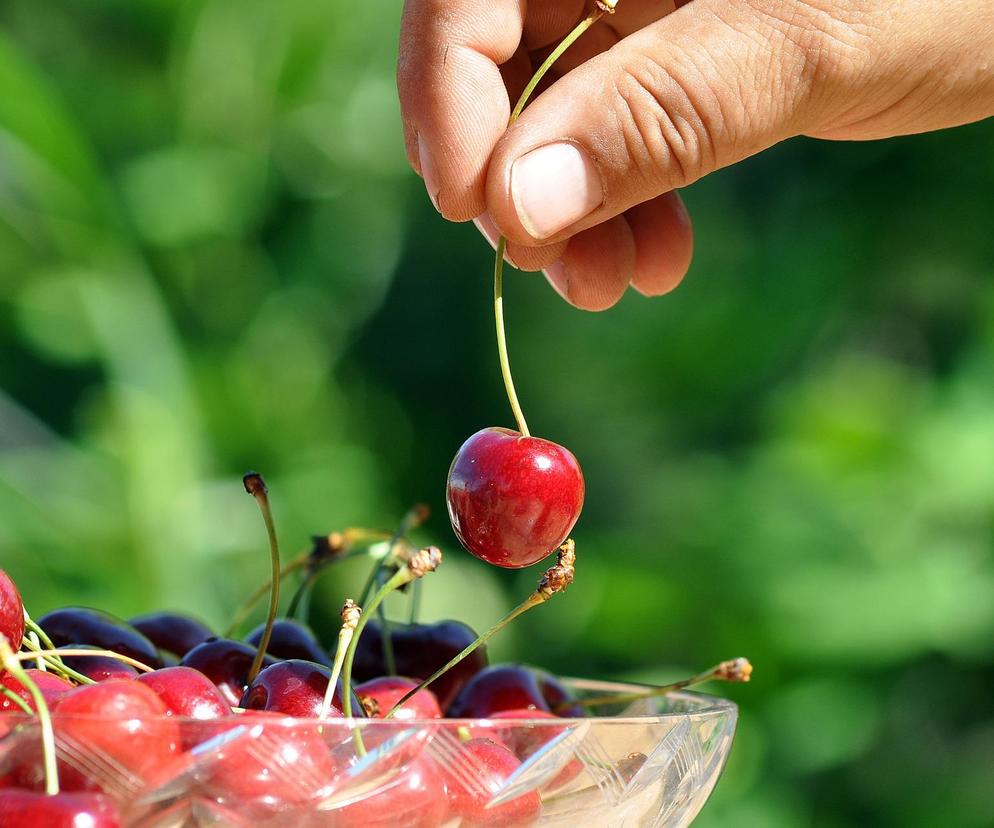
x,y
554,186
428,172
559,279
489,230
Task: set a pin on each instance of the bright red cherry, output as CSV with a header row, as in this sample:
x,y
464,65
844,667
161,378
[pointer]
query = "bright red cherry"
x,y
386,691
11,612
187,693
491,764
24,809
512,499
511,687
295,688
52,688
414,799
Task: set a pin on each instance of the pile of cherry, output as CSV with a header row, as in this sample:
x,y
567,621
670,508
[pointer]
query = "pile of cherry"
x,y
132,731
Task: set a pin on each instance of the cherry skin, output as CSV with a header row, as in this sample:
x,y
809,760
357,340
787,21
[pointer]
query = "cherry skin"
x,y
386,691
414,799
52,688
226,663
492,764
173,632
82,625
525,741
99,668
187,693
11,612
25,809
511,687
291,639
295,688
512,500
420,650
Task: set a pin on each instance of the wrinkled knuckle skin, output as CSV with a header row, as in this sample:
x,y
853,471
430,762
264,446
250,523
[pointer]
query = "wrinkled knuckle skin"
x,y
666,124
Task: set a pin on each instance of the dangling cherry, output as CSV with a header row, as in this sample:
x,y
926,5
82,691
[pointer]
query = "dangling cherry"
x,y
513,499
11,612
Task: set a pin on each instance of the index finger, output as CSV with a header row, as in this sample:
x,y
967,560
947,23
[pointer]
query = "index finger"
x,y
452,98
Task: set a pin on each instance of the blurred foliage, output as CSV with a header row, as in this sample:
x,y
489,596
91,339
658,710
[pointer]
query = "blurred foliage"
x,y
213,257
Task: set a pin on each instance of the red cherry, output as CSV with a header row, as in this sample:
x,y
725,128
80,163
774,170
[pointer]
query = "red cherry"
x,y
509,687
491,764
512,499
52,688
386,691
99,668
414,799
295,688
226,663
187,693
24,809
172,631
525,741
11,612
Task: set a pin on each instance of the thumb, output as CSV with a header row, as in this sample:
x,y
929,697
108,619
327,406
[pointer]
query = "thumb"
x,y
704,87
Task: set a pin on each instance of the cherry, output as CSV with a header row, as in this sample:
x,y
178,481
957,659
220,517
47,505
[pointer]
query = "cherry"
x,y
52,688
99,668
25,809
386,691
491,765
186,693
510,687
226,663
172,631
525,741
420,650
11,612
294,688
82,625
414,799
291,639
512,499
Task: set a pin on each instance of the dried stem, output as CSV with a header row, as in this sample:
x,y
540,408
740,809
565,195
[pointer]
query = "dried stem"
x,y
351,612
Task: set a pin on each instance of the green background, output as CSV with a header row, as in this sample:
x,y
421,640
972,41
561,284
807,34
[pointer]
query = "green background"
x,y
213,257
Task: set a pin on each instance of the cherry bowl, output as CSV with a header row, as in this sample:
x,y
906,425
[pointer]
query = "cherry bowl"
x,y
652,762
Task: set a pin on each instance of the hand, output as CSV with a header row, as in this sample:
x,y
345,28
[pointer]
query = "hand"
x,y
653,98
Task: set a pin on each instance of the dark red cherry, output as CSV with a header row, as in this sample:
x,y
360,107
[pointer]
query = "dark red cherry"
x,y
82,625
512,499
11,612
52,688
291,639
98,668
295,688
420,650
414,799
226,663
510,687
488,765
24,809
172,632
386,691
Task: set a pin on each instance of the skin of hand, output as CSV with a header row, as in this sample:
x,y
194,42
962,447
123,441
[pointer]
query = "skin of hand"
x,y
652,98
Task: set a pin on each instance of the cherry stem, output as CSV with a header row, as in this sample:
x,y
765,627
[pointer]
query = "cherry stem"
x,y
256,486
84,651
415,602
33,625
605,6
55,663
734,670
10,694
13,665
532,600
351,613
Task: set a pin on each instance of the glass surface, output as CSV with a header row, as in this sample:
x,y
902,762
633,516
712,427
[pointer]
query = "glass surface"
x,y
652,762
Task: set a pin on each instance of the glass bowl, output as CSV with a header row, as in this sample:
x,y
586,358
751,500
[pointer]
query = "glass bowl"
x,y
652,762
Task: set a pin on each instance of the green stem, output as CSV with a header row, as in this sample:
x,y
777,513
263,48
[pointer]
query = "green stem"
x,y
505,364
55,663
248,605
256,486
13,666
532,600
345,635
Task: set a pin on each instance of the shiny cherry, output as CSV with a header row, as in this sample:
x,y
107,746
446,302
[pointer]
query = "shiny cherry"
x,y
226,663
419,650
187,693
510,687
172,632
99,668
11,612
82,625
512,499
25,809
523,742
414,799
295,688
52,688
291,639
491,765
386,691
